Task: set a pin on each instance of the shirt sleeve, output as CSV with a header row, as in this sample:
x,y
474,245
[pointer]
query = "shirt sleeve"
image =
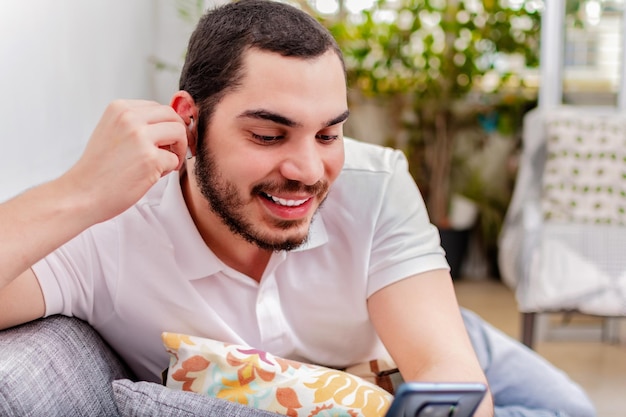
x,y
405,243
70,276
52,293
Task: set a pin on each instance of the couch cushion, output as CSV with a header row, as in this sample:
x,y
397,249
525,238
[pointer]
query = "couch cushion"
x,y
147,399
57,366
584,179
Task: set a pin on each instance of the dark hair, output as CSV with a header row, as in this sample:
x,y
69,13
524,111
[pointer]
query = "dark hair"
x,y
213,65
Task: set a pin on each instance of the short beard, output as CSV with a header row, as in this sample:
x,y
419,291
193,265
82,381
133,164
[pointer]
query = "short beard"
x,y
224,201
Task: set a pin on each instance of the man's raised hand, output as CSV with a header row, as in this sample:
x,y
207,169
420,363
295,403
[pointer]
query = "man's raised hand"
x,y
135,143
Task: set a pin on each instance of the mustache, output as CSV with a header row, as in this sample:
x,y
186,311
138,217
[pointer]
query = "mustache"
x,y
291,186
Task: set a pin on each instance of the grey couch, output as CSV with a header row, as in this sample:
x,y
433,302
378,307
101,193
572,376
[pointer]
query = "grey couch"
x,y
60,366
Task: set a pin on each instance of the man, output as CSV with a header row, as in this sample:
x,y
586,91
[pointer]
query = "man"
x,y
277,233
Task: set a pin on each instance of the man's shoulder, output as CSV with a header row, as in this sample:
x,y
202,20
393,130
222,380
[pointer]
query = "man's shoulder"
x,y
363,156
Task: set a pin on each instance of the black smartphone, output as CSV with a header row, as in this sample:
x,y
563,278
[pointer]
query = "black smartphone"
x,y
420,399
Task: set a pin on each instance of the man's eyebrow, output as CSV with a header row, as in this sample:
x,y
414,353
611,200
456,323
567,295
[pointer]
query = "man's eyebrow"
x,y
341,118
267,115
282,120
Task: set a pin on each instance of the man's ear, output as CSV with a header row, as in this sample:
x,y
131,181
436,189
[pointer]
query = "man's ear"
x,y
185,106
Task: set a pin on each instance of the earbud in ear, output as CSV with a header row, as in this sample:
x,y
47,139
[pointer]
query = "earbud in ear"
x,y
190,123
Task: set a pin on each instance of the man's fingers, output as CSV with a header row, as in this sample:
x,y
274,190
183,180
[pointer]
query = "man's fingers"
x,y
171,137
142,111
141,124
169,161
162,113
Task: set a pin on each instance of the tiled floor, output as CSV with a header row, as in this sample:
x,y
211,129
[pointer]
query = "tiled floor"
x,y
599,367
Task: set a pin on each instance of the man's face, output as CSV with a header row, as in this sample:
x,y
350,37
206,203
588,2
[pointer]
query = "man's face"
x,y
274,146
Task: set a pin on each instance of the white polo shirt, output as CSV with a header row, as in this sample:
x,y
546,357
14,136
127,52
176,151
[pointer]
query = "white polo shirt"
x,y
148,271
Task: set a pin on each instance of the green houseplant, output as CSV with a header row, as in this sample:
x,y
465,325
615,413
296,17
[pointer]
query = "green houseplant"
x,y
444,71
438,58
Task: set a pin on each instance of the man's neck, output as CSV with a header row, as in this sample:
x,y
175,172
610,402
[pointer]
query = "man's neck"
x,y
230,248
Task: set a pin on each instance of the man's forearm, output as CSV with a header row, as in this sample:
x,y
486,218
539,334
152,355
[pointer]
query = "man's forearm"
x,y
35,223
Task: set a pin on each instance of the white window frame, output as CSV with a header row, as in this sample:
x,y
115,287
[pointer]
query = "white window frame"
x,y
551,69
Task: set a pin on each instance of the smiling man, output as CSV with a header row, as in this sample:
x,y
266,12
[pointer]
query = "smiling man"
x,y
277,232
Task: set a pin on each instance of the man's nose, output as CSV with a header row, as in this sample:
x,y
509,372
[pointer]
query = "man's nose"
x,y
303,162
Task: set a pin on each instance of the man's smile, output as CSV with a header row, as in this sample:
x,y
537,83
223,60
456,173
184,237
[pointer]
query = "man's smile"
x,y
284,201
287,209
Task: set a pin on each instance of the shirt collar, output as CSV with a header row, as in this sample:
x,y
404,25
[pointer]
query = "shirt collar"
x,y
193,257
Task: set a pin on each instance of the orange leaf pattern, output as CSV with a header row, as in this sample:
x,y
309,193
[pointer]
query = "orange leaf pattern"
x,y
193,364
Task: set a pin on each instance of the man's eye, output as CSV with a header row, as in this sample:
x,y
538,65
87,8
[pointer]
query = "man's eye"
x,y
266,138
327,138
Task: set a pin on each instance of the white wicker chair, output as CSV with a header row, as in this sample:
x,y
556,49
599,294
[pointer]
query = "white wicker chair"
x,y
563,244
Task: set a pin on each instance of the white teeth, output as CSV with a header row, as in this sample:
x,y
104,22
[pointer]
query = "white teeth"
x,y
288,203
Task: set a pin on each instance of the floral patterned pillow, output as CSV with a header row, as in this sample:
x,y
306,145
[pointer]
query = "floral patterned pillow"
x,y
258,379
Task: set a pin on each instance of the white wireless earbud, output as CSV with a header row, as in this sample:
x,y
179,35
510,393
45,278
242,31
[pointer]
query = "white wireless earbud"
x,y
191,123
